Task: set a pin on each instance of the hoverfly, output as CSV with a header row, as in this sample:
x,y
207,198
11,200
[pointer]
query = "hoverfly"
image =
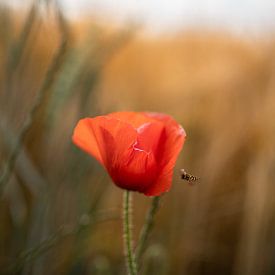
x,y
188,177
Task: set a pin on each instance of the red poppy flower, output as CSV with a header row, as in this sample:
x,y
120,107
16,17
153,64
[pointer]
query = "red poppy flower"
x,y
139,150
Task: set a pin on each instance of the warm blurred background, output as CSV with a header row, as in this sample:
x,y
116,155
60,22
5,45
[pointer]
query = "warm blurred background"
x,y
58,206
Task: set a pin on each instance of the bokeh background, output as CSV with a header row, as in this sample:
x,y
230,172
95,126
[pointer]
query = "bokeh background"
x,y
209,64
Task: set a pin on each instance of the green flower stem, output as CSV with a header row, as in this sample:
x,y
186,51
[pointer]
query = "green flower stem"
x,y
146,230
129,254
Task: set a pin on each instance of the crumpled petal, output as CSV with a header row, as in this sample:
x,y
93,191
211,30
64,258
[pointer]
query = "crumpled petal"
x,y
171,143
135,171
84,138
104,138
149,135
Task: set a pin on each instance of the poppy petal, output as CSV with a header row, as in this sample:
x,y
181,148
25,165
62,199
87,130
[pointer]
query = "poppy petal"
x,y
171,144
136,170
167,120
149,136
104,138
84,138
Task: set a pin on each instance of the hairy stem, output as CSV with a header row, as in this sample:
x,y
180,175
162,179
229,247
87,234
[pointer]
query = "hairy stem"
x,y
129,254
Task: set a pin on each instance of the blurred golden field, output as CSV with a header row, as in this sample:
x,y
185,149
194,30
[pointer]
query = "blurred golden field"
x,y
218,85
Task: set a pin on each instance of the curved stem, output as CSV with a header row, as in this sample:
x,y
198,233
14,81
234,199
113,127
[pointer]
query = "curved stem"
x,y
148,225
129,255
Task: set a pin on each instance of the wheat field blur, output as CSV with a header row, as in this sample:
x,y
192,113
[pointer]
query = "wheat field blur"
x,y
219,86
